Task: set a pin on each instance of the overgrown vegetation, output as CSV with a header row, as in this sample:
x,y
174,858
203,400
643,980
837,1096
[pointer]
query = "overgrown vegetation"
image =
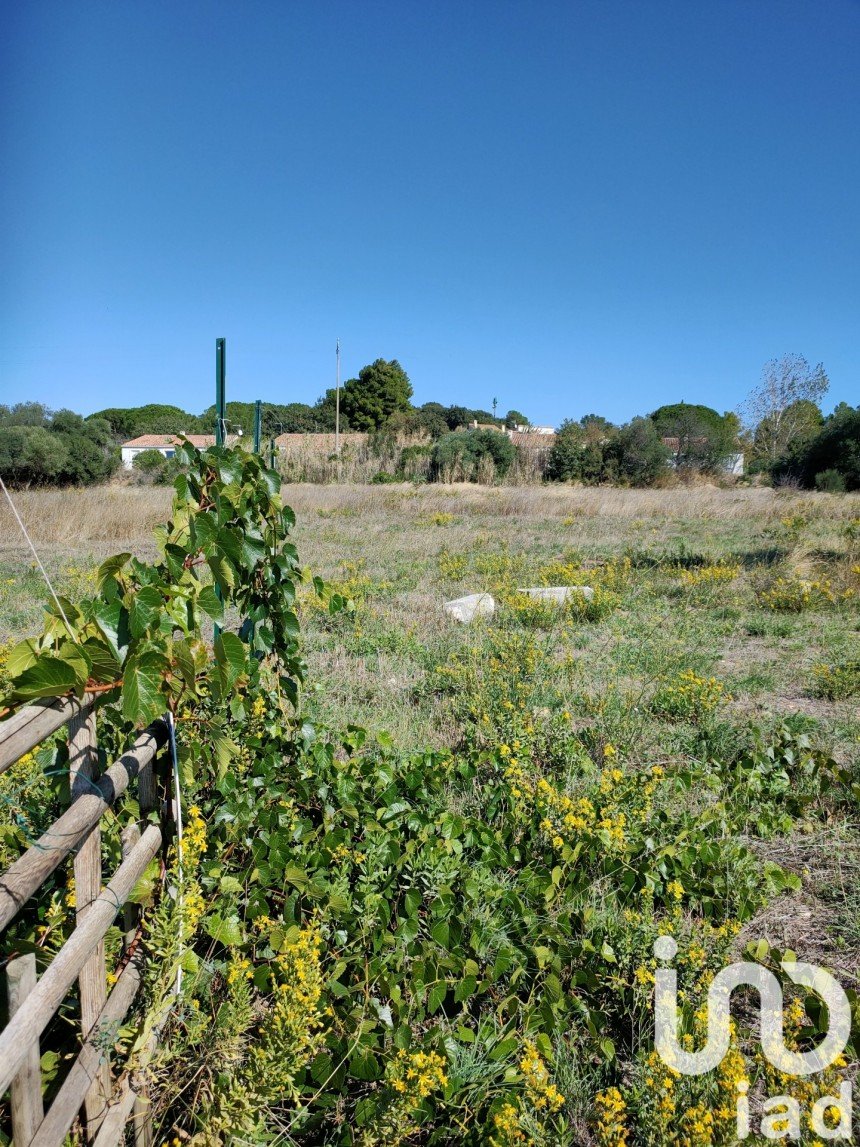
x,y
784,438
440,930
40,448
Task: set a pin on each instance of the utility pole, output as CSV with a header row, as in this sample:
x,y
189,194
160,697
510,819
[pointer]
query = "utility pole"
x,y
337,399
337,407
495,404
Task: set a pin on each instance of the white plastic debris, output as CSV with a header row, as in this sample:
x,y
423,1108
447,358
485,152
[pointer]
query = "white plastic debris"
x,y
558,593
467,608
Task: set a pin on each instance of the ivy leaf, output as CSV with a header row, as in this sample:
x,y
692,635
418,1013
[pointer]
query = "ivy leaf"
x,y
110,567
104,666
231,656
142,700
253,551
112,620
437,996
223,573
22,656
145,607
364,1065
203,530
224,930
183,662
210,603
272,480
49,677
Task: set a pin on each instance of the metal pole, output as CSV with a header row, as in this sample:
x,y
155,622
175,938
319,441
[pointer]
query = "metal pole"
x,y
337,399
220,417
337,408
258,425
272,453
220,390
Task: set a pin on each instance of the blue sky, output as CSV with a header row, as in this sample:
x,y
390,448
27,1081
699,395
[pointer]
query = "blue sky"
x,y
592,206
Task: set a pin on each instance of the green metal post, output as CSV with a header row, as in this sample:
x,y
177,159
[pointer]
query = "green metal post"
x,y
220,415
258,425
220,390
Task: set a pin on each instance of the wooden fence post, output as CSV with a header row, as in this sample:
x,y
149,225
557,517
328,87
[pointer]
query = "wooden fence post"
x,y
141,1114
27,1109
83,765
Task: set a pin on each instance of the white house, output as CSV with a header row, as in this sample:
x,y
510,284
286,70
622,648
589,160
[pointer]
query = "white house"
x,y
164,443
732,463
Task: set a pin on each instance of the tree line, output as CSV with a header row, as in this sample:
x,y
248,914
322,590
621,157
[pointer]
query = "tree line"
x,y
782,431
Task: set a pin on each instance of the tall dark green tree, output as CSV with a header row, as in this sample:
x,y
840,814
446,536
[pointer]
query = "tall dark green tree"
x,y
515,418
636,455
153,418
836,447
61,449
705,437
380,389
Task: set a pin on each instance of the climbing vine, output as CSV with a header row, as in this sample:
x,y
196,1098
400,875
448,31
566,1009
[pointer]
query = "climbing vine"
x,y
224,550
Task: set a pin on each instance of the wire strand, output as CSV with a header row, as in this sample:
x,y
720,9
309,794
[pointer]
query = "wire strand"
x,y
18,519
174,761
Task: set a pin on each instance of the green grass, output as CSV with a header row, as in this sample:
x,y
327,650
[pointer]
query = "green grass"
x,y
576,690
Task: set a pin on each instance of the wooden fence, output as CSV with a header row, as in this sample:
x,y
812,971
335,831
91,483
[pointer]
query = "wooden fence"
x,y
105,1103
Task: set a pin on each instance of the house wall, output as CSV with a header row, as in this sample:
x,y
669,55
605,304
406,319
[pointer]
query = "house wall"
x,y
129,453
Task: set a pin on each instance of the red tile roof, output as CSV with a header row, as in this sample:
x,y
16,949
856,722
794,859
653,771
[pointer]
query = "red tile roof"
x,y
159,441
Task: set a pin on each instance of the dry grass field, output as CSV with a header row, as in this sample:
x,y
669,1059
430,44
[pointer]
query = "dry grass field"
x,y
718,616
400,551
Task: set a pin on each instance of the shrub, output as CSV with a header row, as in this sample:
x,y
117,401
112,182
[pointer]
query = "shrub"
x,y
689,697
836,682
836,447
602,602
40,448
472,456
795,594
577,455
533,612
830,482
710,574
452,566
150,462
636,455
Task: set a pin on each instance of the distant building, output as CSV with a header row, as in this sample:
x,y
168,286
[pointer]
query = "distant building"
x,y
547,430
164,443
732,464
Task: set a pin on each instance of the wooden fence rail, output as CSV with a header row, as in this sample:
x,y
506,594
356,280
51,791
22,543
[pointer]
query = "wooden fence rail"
x,y
89,1087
